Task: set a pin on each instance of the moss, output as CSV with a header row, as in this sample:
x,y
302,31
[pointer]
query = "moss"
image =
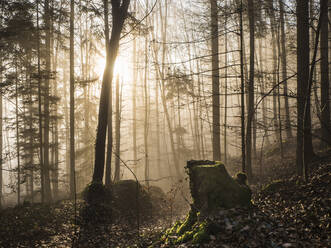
x,y
188,223
171,231
198,234
202,234
189,230
187,236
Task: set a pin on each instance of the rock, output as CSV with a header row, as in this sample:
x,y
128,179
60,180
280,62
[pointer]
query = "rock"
x,y
131,198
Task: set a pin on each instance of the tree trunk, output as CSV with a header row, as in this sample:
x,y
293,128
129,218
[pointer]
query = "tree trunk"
x,y
72,102
157,117
280,126
110,107
55,171
225,86
41,156
284,69
242,89
1,144
17,139
250,90
274,67
325,107
134,101
264,102
66,120
47,182
302,78
215,81
119,16
117,176
146,107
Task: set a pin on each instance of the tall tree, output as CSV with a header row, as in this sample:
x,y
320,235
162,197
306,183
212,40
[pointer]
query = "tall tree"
x,y
284,68
40,119
134,98
47,182
1,144
215,81
302,10
242,90
117,172
225,84
72,100
110,107
250,106
324,49
119,10
17,137
1,136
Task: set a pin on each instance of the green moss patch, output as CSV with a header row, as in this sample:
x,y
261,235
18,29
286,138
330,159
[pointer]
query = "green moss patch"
x,y
190,230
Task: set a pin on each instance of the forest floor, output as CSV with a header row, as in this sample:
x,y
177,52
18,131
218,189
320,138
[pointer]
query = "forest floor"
x,y
287,212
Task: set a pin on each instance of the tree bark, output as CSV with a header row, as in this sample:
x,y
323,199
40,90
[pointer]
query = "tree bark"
x,y
17,139
40,119
250,90
117,175
215,81
72,102
274,66
47,182
284,70
1,144
134,100
225,85
110,108
146,107
325,107
242,87
302,77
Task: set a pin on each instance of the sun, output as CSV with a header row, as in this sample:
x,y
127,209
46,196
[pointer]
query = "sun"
x,y
121,68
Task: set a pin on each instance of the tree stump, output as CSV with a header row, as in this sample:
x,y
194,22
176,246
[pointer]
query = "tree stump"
x,y
213,188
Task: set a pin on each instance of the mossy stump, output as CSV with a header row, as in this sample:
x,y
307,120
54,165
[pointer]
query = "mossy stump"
x,y
213,188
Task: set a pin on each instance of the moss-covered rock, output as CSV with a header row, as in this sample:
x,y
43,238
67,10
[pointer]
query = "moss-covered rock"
x,y
98,204
213,188
96,193
130,198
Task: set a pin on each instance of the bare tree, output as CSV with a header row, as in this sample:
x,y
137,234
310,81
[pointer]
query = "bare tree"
x,y
284,69
250,107
215,81
47,182
110,107
325,106
117,175
72,101
302,85
119,10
